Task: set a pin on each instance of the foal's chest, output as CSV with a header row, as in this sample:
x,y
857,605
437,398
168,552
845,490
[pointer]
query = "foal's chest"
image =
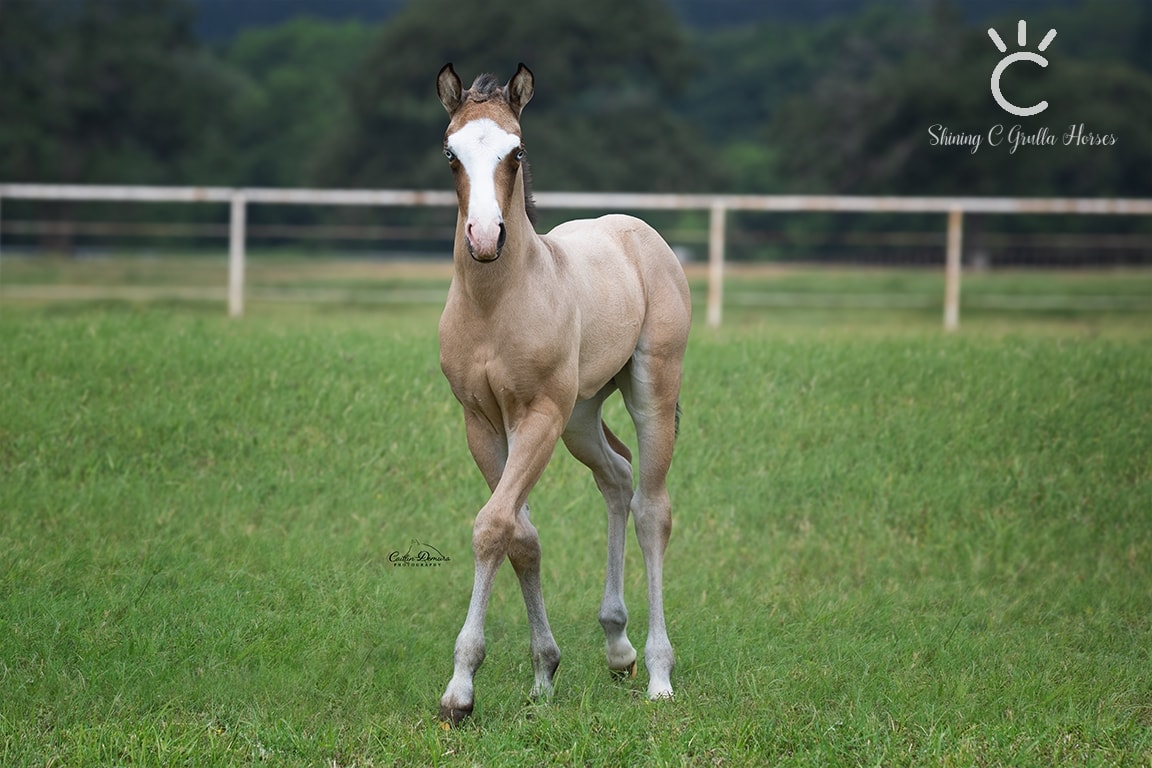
x,y
493,367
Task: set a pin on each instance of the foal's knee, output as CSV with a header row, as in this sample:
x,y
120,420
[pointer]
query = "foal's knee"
x,y
491,537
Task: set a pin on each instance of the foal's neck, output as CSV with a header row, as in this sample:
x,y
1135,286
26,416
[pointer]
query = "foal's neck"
x,y
486,283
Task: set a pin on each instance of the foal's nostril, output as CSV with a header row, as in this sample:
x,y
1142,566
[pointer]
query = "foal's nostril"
x,y
503,236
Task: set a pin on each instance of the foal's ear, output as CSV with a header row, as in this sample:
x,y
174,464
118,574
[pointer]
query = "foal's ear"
x,y
449,88
520,88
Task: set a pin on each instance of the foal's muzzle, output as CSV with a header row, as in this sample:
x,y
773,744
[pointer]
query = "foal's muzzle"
x,y
500,240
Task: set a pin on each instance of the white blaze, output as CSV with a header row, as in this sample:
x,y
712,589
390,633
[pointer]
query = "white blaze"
x,y
480,146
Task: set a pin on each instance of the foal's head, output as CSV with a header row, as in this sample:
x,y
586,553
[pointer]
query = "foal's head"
x,y
486,153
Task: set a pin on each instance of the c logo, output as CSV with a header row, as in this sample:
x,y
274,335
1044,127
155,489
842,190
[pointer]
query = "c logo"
x,y
997,94
1009,60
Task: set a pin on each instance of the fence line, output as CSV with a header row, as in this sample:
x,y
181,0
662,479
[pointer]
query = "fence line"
x,y
852,238
717,207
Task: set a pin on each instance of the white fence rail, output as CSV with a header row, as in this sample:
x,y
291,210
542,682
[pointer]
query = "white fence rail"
x,y
717,206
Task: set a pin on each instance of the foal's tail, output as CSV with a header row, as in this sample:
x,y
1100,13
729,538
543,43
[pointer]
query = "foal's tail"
x,y
618,445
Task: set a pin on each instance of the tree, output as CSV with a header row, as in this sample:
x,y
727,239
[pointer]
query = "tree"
x,y
873,133
606,72
289,99
101,90
221,20
752,73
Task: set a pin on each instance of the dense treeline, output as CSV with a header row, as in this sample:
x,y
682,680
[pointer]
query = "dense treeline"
x,y
629,96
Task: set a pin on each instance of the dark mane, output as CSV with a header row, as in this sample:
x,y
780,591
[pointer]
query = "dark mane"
x,y
529,201
485,87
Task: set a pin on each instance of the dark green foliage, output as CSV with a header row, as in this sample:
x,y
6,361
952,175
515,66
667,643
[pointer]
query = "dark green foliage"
x,y
830,97
224,19
289,99
110,91
711,14
865,125
605,72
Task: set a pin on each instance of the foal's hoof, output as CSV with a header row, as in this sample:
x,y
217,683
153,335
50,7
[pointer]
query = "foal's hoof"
x,y
453,716
626,673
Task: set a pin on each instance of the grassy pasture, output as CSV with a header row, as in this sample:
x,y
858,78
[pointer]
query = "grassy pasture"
x,y
891,546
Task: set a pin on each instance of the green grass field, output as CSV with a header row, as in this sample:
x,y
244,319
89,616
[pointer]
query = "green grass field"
x,y
892,546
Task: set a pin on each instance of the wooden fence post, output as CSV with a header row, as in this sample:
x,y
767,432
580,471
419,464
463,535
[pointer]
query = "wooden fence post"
x,y
236,236
952,269
716,226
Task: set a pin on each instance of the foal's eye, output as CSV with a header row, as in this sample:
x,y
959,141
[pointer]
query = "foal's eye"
x,y
520,155
449,154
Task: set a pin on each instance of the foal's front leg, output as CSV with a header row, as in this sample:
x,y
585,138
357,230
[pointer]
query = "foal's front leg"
x,y
502,529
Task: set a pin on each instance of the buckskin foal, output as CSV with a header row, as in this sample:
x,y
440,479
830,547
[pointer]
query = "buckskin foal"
x,y
537,331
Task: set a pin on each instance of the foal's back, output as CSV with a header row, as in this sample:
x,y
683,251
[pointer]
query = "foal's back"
x,y
624,275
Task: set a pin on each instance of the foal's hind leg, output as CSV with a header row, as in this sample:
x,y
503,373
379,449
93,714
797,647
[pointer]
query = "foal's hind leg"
x,y
651,390
524,555
587,439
